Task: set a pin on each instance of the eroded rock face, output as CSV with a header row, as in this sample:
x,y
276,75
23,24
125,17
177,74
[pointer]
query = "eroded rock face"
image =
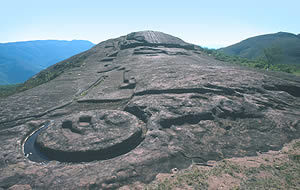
x,y
150,38
88,136
139,105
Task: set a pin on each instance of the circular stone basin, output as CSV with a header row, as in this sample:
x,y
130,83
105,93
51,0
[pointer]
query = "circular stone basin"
x,y
92,135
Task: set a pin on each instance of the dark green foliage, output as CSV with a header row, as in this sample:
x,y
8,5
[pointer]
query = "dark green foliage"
x,y
270,63
254,48
273,55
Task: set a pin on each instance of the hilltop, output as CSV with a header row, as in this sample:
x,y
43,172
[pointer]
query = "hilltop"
x,y
139,105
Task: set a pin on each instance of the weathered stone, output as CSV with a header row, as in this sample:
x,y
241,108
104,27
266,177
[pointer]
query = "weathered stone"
x,y
88,136
179,105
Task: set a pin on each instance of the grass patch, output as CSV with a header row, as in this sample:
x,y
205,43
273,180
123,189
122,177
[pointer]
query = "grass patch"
x,y
283,176
194,177
281,171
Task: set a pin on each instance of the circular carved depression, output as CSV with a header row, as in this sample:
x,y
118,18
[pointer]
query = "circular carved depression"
x,y
92,135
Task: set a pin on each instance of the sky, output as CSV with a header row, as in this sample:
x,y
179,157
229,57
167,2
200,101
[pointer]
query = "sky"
x,y
209,23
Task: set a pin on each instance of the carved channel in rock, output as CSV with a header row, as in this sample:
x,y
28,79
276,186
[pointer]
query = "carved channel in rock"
x,y
290,89
130,85
107,59
31,151
108,69
156,51
96,83
148,50
102,100
113,54
189,119
139,112
134,44
86,136
185,91
222,112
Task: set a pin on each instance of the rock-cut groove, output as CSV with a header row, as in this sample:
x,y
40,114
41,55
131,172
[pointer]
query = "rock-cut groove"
x,y
185,91
108,69
30,149
139,112
103,100
92,155
36,153
290,89
189,119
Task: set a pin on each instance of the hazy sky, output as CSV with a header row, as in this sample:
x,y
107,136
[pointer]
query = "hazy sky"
x,y
207,23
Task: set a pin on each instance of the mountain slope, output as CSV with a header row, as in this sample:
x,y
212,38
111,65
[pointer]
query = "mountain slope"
x,y
21,60
253,48
138,105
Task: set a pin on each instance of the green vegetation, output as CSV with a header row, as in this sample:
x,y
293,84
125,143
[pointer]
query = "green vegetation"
x,y
282,176
269,172
193,177
54,71
45,75
254,48
7,90
273,55
268,62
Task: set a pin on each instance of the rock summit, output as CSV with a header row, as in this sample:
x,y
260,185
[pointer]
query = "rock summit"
x,y
135,106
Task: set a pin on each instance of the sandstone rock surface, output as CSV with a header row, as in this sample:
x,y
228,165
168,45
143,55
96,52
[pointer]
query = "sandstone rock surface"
x,y
140,105
89,136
